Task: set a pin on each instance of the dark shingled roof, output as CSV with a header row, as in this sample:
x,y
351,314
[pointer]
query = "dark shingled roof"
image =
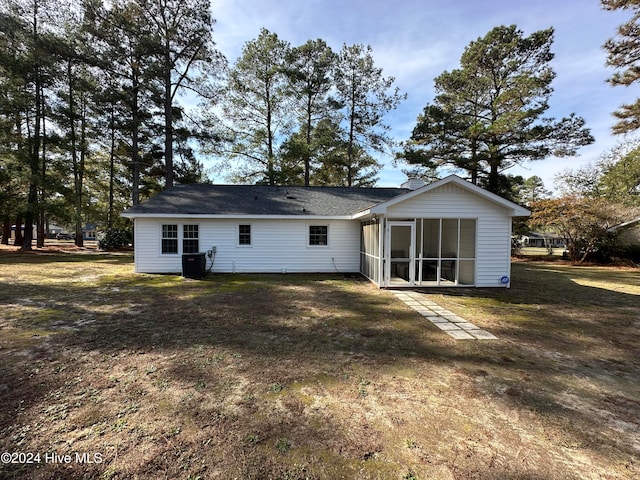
x,y
202,199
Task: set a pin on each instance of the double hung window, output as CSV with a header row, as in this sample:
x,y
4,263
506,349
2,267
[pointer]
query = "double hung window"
x,y
169,238
190,239
318,235
244,234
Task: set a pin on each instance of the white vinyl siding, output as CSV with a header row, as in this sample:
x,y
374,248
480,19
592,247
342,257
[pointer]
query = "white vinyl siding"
x,y
493,227
277,246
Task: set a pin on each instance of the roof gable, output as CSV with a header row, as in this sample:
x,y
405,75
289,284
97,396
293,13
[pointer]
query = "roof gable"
x,y
513,209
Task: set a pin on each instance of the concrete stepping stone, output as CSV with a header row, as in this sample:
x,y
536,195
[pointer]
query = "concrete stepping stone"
x,y
483,335
467,326
447,326
459,335
447,321
438,320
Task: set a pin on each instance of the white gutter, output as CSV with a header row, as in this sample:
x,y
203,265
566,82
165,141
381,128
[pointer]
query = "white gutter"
x,y
231,216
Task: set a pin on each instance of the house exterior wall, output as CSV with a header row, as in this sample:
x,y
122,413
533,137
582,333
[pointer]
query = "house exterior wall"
x,y
277,245
493,226
629,237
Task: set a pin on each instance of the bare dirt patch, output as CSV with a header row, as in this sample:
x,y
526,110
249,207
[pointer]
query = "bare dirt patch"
x,y
313,377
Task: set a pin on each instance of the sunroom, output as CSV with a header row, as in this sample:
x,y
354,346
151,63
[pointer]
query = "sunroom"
x,y
447,234
429,252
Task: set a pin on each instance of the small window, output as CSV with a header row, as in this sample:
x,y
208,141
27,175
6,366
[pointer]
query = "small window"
x,y
318,235
190,243
244,234
169,238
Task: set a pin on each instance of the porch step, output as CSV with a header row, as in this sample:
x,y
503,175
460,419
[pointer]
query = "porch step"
x,y
450,323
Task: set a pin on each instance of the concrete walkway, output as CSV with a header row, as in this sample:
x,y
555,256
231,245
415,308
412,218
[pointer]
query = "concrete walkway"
x,y
455,326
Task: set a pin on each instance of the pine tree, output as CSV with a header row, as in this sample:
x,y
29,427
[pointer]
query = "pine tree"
x,y
182,34
366,97
487,115
258,108
624,51
309,70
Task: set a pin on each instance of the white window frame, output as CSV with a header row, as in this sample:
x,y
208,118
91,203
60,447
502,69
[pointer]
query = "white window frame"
x,y
313,245
179,238
196,238
176,238
238,234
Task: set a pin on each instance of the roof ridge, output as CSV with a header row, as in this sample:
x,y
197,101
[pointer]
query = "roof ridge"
x,y
353,187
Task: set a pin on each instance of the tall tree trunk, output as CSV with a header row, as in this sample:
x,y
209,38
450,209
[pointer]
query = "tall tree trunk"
x,y
135,129
307,152
352,126
19,238
79,240
494,178
474,161
42,232
32,200
6,229
168,117
34,145
270,162
74,151
112,148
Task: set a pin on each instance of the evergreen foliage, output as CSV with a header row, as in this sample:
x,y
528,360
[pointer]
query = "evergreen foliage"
x,y
113,239
487,115
624,55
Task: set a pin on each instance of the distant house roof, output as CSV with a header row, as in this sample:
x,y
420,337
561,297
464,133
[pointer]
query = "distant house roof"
x,y
620,226
204,199
543,235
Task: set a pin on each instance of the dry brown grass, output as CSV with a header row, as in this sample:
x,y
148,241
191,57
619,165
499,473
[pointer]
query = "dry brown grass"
x,y
314,377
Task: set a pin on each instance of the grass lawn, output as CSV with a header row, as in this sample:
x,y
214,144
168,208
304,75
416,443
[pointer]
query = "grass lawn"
x,y
313,377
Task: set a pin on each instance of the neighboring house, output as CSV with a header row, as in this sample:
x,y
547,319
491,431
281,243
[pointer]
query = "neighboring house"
x,y
539,239
22,227
54,230
89,232
627,235
447,233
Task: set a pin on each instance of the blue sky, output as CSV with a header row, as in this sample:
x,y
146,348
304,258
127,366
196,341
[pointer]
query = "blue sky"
x,y
416,40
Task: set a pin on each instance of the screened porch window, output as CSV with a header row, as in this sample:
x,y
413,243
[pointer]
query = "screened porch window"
x,y
446,251
370,250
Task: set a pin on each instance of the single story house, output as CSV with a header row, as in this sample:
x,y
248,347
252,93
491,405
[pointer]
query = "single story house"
x,y
542,239
447,233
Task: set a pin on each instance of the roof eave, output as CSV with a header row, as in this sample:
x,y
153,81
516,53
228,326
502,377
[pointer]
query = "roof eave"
x,y
235,216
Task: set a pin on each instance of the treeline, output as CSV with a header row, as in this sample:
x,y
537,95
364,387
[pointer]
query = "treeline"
x,y
103,104
305,115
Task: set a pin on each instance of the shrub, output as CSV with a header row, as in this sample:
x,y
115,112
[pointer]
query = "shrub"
x,y
627,253
113,239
